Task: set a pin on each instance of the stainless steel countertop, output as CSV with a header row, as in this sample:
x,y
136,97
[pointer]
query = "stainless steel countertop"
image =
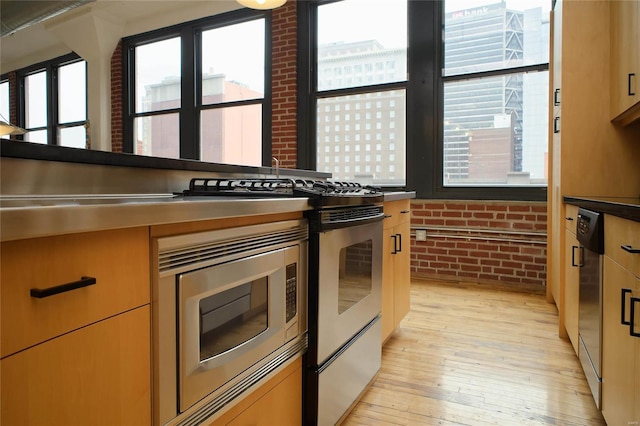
x,y
398,195
24,216
30,217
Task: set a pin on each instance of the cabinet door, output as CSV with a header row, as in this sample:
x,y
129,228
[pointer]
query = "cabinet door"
x,y
388,259
281,406
97,375
619,357
402,274
571,283
278,401
625,72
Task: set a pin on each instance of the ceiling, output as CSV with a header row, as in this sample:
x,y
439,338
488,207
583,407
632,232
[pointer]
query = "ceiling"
x,y
18,14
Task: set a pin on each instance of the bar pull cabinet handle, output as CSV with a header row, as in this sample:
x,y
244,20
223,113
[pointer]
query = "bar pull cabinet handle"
x,y
42,293
623,306
399,243
569,218
573,256
387,216
630,249
405,211
632,331
556,97
556,125
395,244
630,92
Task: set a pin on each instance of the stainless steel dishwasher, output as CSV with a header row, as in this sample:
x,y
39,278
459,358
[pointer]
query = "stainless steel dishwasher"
x,y
590,234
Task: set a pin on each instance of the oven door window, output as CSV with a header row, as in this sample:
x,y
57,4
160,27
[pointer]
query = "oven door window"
x,y
232,317
354,274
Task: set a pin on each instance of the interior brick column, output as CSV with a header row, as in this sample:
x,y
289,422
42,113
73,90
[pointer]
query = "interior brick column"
x,y
284,89
116,99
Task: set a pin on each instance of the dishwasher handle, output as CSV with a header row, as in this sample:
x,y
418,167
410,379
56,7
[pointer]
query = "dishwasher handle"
x,y
632,331
580,263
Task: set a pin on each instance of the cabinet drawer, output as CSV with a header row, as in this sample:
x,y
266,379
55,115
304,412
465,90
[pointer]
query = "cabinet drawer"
x,y
620,232
396,212
118,260
570,217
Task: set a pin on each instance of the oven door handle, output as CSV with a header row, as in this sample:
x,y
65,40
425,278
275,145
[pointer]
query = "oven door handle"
x,y
322,226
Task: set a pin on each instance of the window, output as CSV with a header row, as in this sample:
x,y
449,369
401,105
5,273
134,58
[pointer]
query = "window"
x,y
4,102
451,104
193,96
495,93
52,102
364,46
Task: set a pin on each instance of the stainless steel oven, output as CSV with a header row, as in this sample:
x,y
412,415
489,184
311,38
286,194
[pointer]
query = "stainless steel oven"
x,y
345,286
229,308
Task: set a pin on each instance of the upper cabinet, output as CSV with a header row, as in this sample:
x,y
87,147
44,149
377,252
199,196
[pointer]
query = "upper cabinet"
x,y
625,61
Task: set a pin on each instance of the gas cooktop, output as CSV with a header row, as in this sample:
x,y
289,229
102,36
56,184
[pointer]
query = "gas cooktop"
x,y
320,193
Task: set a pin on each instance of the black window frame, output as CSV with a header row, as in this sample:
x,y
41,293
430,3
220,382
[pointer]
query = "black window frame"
x,y
424,105
191,90
4,78
50,67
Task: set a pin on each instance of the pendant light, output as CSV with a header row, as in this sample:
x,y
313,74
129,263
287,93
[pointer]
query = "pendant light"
x,y
262,4
7,128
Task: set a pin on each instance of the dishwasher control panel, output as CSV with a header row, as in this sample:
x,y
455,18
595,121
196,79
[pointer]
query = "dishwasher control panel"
x,y
590,230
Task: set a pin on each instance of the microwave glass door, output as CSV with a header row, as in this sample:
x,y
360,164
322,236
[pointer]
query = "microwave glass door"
x,y
232,317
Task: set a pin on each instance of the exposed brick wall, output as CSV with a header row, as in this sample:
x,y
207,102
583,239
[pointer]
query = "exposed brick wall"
x,y
284,56
13,97
483,241
116,99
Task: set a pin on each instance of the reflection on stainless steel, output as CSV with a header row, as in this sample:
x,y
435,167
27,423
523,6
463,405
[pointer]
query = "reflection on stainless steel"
x,y
21,201
40,221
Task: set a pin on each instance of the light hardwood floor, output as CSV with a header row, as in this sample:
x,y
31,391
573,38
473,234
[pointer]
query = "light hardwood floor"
x,y
470,354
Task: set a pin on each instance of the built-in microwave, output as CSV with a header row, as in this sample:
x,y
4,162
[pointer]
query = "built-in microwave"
x,y
239,311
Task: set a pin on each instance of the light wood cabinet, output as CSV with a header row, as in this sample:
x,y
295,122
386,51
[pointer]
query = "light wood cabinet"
x,y
588,155
621,350
81,356
277,402
118,260
97,375
396,265
571,278
625,61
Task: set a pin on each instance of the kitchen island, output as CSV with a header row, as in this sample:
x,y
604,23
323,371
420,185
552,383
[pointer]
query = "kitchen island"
x,y
87,226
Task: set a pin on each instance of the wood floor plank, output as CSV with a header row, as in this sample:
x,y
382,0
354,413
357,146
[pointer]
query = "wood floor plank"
x,y
477,354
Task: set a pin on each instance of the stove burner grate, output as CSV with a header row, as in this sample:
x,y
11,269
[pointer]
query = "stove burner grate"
x,y
320,193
